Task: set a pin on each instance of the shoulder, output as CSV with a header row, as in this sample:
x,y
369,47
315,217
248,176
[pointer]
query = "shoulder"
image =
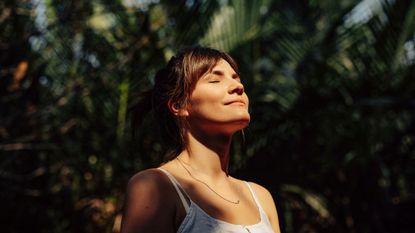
x,y
149,204
151,176
262,193
267,203
151,186
150,180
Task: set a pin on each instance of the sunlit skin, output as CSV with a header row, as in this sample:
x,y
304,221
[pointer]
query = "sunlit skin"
x,y
219,103
217,108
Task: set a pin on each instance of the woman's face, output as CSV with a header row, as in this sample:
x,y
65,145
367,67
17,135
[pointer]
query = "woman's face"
x,y
218,101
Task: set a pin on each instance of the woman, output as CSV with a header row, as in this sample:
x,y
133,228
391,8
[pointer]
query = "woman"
x,y
200,103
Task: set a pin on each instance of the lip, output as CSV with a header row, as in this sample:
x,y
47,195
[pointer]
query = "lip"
x,y
236,102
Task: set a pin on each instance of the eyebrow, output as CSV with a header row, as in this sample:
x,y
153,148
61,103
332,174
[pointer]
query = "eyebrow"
x,y
220,72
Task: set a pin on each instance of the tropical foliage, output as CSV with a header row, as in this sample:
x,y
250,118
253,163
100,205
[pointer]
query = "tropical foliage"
x,y
330,85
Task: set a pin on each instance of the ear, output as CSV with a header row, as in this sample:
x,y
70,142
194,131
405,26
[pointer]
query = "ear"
x,y
177,110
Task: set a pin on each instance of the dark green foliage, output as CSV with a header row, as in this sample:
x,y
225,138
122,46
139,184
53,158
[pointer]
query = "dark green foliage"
x,y
330,85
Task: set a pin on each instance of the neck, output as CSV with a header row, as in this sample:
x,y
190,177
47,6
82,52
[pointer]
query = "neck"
x,y
208,154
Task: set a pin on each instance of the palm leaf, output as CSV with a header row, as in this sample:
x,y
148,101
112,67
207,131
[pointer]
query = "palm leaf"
x,y
234,24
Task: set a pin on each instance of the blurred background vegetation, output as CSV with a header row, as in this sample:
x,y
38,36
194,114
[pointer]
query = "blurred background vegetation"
x,y
331,85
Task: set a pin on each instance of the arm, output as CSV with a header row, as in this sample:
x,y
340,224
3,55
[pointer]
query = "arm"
x,y
148,207
268,205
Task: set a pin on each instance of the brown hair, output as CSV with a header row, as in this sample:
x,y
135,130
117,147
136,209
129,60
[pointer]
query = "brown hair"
x,y
174,83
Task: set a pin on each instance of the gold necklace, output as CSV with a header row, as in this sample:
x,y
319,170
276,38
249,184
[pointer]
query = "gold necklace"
x,y
201,181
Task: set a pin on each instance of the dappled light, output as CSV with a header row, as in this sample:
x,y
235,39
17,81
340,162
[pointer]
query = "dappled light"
x,y
331,89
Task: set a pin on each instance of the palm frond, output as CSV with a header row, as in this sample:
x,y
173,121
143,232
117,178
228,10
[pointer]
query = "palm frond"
x,y
234,24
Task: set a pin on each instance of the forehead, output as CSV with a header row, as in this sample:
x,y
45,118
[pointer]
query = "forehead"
x,y
223,65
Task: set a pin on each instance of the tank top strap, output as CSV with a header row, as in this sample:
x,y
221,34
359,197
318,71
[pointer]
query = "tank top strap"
x,y
258,204
180,191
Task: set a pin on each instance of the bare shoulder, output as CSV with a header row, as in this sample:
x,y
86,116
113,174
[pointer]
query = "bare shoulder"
x,y
268,204
151,186
263,194
149,202
151,179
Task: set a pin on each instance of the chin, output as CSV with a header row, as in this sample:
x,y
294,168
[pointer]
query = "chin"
x,y
229,126
240,124
245,118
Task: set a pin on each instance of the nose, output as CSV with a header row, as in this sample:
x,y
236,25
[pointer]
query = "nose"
x,y
236,87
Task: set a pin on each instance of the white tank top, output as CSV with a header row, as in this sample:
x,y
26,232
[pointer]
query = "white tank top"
x,y
198,221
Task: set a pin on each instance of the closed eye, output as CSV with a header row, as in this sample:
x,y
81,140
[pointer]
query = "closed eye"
x,y
215,76
217,72
237,77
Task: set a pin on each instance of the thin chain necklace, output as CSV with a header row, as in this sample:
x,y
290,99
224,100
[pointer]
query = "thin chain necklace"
x,y
201,181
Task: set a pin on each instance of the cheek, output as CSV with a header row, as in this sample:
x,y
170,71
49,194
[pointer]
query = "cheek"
x,y
206,106
207,96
